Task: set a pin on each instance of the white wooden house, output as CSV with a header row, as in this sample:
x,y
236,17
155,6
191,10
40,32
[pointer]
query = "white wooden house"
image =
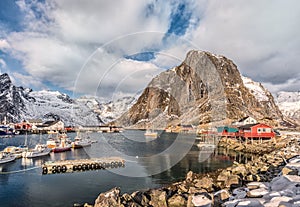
x,y
52,126
246,120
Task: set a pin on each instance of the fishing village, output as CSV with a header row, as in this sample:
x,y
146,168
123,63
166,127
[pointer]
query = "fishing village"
x,y
190,103
276,160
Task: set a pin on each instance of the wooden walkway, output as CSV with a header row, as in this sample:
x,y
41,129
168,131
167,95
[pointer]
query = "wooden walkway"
x,y
70,166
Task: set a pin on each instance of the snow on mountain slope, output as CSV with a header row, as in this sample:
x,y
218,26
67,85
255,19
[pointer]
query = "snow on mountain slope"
x,y
18,104
49,105
256,89
108,111
289,104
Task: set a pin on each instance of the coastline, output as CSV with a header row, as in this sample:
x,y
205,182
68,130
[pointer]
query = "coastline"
x,y
249,184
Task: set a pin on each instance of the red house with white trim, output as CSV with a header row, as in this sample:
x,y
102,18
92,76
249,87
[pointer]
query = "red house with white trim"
x,y
261,131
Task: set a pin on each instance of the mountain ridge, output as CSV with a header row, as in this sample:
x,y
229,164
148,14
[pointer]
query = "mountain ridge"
x,y
18,104
204,88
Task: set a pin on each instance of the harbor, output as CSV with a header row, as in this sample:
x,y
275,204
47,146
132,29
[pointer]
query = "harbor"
x,y
84,186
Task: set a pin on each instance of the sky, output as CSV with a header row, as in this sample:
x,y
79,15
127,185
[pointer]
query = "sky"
x,y
114,48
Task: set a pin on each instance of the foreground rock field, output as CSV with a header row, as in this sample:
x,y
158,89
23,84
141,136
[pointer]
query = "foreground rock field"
x,y
272,179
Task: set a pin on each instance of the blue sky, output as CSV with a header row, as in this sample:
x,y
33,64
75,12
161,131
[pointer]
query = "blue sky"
x,y
116,48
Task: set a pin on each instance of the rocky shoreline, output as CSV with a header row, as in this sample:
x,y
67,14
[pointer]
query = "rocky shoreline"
x,y
271,179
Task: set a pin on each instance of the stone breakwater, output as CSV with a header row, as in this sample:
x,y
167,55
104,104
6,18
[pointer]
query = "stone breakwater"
x,y
270,180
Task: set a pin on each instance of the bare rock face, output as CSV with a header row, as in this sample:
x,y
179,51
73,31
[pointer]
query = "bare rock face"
x,y
205,88
12,105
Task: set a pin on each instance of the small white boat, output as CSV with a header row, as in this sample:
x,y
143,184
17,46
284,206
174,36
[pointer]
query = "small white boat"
x,y
80,142
38,151
204,146
16,151
150,133
6,157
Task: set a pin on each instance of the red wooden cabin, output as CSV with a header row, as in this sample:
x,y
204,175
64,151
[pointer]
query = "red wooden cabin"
x,y
262,131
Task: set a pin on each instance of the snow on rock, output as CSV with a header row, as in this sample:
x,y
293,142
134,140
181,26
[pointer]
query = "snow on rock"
x,y
108,111
55,105
18,104
256,89
289,104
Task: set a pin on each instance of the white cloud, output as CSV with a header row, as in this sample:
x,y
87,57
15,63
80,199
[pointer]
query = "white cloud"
x,y
55,45
2,64
3,44
60,39
107,74
27,81
261,37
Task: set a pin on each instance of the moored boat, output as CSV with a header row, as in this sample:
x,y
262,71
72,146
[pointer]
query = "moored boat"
x,y
38,151
16,151
80,142
6,157
62,146
150,133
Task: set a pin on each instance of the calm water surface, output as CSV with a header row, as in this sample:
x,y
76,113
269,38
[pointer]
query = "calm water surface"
x,y
149,164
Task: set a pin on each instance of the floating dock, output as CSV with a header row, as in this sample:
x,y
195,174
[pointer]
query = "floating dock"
x,y
70,166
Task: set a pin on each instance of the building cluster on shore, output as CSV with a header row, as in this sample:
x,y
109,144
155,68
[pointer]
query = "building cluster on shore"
x,y
37,126
246,129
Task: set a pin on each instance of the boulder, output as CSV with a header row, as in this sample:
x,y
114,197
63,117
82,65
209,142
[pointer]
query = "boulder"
x,y
256,185
141,198
280,183
220,197
125,198
109,198
189,176
233,181
223,176
277,200
257,193
177,201
240,193
205,183
240,169
250,203
158,198
202,200
252,177
182,188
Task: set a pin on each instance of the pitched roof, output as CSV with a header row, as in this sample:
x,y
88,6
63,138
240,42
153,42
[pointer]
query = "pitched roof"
x,y
35,120
247,126
243,119
49,123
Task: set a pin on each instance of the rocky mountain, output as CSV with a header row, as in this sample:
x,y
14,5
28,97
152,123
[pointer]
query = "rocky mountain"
x,y
53,105
289,104
18,103
11,99
108,111
204,88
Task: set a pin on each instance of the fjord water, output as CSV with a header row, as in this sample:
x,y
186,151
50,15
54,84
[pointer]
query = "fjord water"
x,y
149,164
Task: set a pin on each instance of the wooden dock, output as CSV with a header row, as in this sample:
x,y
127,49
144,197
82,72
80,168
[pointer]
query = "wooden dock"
x,y
70,166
